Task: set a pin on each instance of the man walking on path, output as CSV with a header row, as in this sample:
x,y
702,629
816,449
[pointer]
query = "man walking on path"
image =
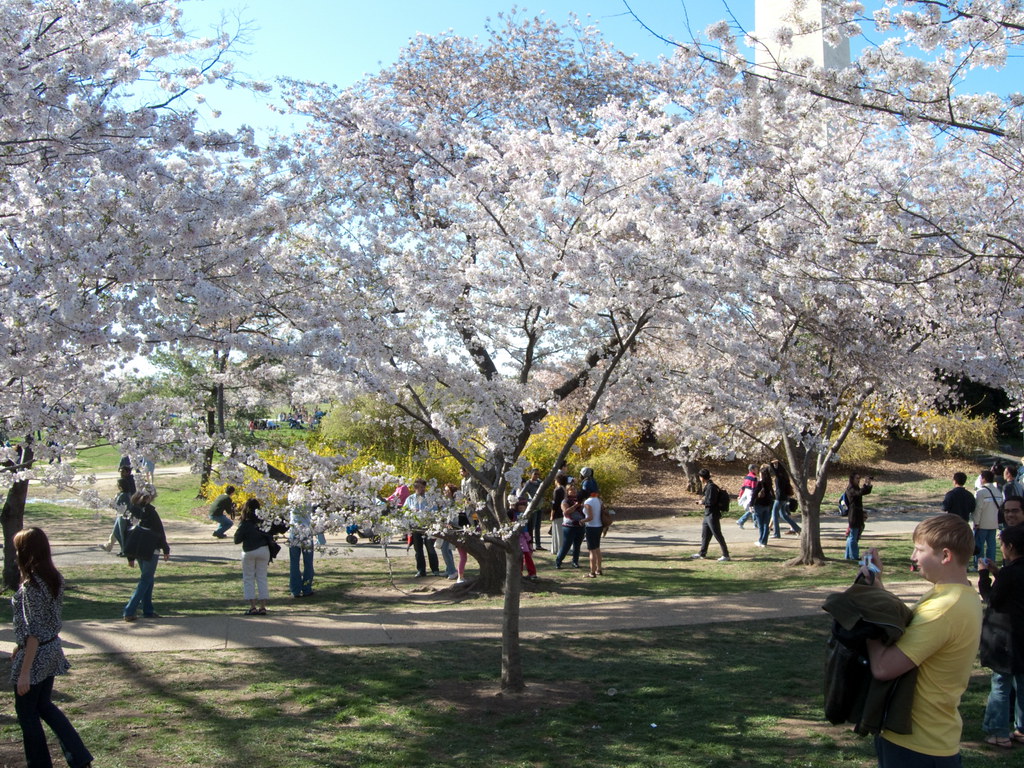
x,y
712,523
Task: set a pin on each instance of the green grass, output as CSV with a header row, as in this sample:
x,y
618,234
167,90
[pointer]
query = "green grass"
x,y
102,457
717,696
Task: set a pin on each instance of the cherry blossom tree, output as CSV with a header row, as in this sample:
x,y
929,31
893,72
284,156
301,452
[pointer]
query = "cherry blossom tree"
x,y
124,226
877,253
483,240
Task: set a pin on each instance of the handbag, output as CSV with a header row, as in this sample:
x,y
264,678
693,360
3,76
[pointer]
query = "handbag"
x,y
274,547
793,505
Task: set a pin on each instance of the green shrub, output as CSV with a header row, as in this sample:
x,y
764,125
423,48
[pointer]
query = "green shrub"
x,y
615,469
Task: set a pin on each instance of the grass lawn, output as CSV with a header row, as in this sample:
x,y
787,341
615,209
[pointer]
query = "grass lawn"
x,y
735,694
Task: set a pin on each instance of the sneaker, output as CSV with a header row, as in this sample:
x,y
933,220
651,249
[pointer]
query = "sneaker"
x,y
792,533
218,535
460,581
435,573
558,566
533,578
696,557
453,577
725,559
575,564
107,547
759,544
420,575
129,618
741,525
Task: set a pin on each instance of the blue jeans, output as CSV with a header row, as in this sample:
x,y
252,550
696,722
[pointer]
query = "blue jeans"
x,y
300,575
763,515
781,509
448,557
225,523
852,542
120,529
997,711
747,515
35,708
893,756
572,537
985,542
143,594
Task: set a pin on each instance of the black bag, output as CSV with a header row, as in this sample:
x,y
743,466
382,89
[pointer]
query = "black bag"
x,y
723,501
274,547
996,647
793,505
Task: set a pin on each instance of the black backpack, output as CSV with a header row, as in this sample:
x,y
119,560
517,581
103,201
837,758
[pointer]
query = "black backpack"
x,y
724,500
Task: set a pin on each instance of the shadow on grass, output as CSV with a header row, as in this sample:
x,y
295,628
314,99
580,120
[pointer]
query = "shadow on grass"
x,y
735,694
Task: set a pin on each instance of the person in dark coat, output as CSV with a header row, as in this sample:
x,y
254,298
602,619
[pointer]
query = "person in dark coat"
x,y
1003,590
762,502
855,493
958,500
712,524
154,539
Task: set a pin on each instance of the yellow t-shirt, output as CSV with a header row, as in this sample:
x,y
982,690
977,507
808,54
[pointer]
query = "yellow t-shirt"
x,y
942,640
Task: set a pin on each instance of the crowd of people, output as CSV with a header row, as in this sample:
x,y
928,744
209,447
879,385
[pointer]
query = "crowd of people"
x,y
940,643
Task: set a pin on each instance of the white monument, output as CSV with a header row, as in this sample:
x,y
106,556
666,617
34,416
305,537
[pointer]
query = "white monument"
x,y
808,41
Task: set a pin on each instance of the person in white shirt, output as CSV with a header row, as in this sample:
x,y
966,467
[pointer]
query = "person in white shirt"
x,y
592,525
986,517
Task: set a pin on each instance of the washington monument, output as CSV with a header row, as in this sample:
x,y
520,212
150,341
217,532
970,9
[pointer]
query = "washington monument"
x,y
770,15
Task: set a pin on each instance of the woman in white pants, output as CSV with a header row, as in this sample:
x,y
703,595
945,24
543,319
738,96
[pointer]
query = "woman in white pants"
x,y
255,558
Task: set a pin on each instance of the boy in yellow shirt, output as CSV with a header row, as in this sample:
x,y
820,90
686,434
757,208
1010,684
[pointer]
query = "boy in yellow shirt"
x,y
941,641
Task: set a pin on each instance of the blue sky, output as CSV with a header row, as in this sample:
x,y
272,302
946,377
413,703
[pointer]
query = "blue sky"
x,y
339,41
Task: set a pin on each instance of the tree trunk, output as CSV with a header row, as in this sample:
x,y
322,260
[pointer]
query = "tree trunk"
x,y
693,482
811,551
491,560
13,519
211,429
511,660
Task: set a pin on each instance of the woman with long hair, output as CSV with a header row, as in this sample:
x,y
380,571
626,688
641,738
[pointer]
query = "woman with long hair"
x,y
762,502
783,493
255,558
38,656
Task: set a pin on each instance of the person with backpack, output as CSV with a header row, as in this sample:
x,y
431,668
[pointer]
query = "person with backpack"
x,y
715,499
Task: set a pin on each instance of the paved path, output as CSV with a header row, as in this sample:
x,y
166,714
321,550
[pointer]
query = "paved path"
x,y
207,633
193,541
